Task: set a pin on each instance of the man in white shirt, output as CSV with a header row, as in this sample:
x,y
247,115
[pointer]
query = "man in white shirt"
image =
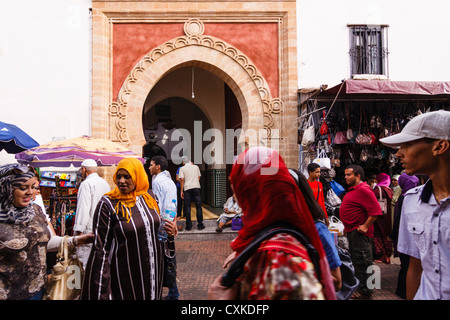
x,y
190,190
424,148
89,193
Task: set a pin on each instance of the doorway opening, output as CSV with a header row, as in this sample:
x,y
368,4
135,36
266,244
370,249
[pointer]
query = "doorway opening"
x,y
192,100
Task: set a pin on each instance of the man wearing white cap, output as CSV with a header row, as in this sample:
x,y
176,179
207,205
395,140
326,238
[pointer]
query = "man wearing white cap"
x,y
424,235
89,193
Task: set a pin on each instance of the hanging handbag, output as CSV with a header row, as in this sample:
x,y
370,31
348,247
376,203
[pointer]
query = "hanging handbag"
x,y
364,138
337,188
322,160
333,199
349,132
324,126
382,201
67,275
309,134
340,138
336,225
364,155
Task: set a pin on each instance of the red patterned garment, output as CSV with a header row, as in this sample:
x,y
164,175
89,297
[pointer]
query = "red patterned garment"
x,y
268,195
280,270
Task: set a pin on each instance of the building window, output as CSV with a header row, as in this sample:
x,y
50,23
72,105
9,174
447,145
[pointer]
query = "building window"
x,y
368,49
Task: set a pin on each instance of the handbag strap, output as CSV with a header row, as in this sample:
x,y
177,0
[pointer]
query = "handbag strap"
x,y
318,190
237,267
63,252
380,198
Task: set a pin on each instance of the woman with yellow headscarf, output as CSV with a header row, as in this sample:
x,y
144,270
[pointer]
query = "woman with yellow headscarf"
x,y
126,261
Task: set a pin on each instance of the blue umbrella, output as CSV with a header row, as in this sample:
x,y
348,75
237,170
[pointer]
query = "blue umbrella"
x,y
14,140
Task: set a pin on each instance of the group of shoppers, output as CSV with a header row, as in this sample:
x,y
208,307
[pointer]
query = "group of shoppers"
x,y
127,259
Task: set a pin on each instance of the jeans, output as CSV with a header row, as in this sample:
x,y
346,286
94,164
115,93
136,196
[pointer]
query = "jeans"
x,y
360,247
170,278
189,195
179,202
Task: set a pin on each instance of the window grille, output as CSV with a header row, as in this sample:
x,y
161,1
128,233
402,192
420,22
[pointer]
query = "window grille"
x,y
368,50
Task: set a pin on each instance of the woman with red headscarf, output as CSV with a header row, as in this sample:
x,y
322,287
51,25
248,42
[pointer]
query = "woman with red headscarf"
x,y
281,267
383,225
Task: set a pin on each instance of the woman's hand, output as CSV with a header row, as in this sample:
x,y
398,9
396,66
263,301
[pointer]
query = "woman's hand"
x,y
218,292
230,259
85,239
171,227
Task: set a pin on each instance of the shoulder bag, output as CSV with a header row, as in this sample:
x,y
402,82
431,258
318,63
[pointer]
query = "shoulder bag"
x,y
67,275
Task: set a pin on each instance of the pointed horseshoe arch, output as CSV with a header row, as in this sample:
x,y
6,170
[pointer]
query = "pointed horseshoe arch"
x,y
259,110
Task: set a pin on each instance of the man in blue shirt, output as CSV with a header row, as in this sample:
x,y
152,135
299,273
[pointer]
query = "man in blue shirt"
x,y
424,232
165,191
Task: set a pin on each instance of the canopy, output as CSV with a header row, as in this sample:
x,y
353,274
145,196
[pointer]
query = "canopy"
x,y
14,140
388,87
63,153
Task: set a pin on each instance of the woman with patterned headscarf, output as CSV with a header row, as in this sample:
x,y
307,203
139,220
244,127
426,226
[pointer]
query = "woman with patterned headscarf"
x,y
25,236
126,261
281,268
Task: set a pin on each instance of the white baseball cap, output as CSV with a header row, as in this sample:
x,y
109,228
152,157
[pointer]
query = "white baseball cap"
x,y
89,163
434,125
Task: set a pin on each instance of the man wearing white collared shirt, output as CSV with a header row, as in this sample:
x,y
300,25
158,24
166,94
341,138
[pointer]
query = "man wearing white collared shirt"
x,y
424,232
89,194
190,190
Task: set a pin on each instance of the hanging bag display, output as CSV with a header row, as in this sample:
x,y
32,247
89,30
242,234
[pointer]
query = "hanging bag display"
x,y
67,274
309,134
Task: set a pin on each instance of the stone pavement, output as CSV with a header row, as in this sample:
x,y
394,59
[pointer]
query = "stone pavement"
x,y
200,255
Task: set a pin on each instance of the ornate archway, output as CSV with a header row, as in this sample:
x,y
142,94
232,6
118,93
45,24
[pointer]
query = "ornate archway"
x,y
259,110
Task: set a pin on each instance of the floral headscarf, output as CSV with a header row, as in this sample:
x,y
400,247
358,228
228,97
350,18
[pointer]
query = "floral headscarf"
x,y
267,193
12,176
126,201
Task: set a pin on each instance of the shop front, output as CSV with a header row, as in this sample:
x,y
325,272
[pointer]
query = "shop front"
x,y
350,118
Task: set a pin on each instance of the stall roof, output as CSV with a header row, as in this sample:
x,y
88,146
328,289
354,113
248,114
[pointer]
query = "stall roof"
x,y
389,89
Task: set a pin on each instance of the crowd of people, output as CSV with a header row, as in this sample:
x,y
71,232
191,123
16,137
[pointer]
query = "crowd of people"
x,y
284,249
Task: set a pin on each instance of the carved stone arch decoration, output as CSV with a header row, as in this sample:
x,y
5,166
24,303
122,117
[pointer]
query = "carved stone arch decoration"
x,y
259,109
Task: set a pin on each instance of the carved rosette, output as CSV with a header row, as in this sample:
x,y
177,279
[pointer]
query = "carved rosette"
x,y
193,30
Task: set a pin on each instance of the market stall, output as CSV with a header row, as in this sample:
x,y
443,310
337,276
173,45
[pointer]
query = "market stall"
x,y
342,125
60,176
59,193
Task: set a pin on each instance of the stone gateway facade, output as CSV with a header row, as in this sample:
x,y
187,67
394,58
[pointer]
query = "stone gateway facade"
x,y
248,47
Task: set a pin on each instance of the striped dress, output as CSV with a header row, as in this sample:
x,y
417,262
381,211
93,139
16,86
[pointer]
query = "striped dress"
x,y
126,261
